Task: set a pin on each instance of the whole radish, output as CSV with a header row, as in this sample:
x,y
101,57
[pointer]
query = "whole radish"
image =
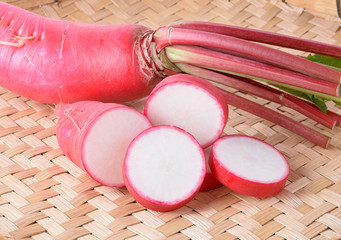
x,y
95,136
56,61
248,165
164,168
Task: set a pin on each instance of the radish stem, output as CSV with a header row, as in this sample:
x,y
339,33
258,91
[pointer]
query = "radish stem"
x,y
277,118
245,67
264,37
167,36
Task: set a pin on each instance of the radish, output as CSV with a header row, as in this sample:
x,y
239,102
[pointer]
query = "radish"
x,y
210,181
55,61
164,168
249,166
95,136
191,103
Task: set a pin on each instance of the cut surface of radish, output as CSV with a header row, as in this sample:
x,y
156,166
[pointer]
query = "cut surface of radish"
x,y
95,136
210,181
249,166
164,168
190,103
107,141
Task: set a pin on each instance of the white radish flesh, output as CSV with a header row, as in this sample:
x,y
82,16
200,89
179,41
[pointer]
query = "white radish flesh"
x,y
249,166
95,136
190,103
164,168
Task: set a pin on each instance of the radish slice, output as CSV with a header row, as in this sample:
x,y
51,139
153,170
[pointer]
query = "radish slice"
x,y
164,168
191,103
96,136
210,181
249,166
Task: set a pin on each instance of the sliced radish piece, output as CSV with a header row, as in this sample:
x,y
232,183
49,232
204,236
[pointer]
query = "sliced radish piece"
x,y
210,181
164,168
249,166
95,136
191,103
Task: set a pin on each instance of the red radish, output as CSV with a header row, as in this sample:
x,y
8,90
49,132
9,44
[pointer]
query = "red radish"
x,y
191,103
95,136
210,181
249,166
164,168
56,61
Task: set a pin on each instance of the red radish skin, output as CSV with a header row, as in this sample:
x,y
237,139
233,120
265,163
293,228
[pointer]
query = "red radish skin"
x,y
191,103
237,163
58,61
164,168
95,136
210,181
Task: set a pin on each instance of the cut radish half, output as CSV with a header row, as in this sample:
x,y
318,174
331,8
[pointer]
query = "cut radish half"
x,y
164,168
95,136
210,181
191,103
249,166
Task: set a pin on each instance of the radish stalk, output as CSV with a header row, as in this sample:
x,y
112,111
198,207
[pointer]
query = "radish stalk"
x,y
167,36
263,91
245,67
277,118
263,37
335,116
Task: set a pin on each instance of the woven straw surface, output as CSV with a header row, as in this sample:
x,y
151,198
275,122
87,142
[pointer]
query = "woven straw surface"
x,y
44,196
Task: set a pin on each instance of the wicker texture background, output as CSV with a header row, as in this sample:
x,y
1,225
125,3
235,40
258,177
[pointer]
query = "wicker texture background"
x,y
44,196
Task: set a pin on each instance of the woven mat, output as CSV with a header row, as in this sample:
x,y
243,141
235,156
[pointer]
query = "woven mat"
x,y
44,196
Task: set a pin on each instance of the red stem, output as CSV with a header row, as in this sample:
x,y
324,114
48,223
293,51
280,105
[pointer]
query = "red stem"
x,y
221,61
264,37
277,118
335,116
263,91
169,36
329,119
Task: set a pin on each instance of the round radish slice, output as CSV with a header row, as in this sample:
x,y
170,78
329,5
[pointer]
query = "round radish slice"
x,y
249,166
210,181
191,103
96,136
164,168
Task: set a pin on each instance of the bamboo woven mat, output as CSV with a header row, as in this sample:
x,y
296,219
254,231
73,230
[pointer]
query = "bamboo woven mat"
x,y
44,196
